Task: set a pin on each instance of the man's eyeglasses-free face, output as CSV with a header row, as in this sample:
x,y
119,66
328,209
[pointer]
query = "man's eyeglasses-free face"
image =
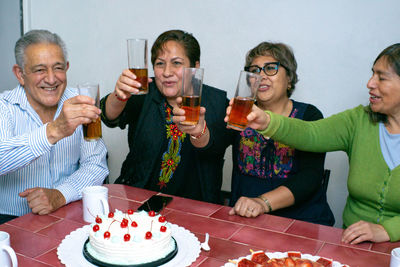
x,y
270,68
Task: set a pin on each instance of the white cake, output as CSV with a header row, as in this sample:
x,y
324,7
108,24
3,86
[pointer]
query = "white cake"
x,y
124,238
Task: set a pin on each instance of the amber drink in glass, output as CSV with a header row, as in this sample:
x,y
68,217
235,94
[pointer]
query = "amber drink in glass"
x,y
91,131
245,95
192,83
137,61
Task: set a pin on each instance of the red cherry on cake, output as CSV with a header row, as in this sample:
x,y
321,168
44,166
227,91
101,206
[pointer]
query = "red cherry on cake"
x,y
134,224
110,214
163,228
148,235
162,219
152,213
127,237
96,228
98,219
107,234
130,212
124,224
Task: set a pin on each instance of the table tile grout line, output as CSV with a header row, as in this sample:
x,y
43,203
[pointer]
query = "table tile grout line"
x,y
215,211
241,227
34,259
201,262
56,248
244,224
319,250
357,248
287,228
49,225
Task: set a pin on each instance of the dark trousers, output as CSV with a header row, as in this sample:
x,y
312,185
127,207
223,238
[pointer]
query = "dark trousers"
x,y
5,218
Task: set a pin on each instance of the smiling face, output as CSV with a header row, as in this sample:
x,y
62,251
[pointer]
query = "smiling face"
x,y
168,69
384,89
44,76
272,88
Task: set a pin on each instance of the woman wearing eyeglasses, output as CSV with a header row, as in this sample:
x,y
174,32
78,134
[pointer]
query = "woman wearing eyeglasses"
x,y
370,136
269,177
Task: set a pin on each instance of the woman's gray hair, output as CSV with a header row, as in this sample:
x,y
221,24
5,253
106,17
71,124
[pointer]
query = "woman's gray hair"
x,y
282,53
36,37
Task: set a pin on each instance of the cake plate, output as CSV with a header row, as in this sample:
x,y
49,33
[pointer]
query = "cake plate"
x,y
156,263
70,250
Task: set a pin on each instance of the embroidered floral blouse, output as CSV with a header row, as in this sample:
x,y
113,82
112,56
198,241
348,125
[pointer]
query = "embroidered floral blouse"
x,y
261,165
161,158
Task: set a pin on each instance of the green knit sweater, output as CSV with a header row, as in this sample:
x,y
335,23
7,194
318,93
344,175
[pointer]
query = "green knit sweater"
x,y
374,189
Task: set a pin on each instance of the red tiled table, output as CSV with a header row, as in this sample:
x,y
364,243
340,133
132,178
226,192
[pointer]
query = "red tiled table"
x,y
36,238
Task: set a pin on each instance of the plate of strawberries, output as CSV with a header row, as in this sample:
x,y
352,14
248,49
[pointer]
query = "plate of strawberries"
x,y
282,259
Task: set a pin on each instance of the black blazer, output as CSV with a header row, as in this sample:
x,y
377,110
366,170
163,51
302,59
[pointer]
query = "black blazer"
x,y
145,117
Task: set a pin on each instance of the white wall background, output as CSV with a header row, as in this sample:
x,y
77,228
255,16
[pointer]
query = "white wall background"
x,y
9,34
335,43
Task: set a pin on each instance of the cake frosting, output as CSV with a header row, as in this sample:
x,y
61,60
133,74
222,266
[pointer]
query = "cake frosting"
x,y
130,238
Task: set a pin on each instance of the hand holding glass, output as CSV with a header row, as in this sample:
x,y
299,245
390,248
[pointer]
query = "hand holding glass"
x,y
137,61
91,131
192,83
245,95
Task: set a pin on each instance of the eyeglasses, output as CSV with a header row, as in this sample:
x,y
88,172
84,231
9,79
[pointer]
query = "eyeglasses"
x,y
270,68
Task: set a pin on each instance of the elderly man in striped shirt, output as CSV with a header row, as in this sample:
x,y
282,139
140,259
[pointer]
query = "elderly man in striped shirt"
x,y
44,161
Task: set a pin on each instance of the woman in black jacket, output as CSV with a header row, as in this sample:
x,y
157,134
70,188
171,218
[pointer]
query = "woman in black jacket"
x,y
163,155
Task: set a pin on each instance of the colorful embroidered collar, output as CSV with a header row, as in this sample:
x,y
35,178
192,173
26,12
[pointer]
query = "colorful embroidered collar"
x,y
171,157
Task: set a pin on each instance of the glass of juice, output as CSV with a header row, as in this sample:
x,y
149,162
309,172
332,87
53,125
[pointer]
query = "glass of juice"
x,y
91,131
245,95
137,61
192,83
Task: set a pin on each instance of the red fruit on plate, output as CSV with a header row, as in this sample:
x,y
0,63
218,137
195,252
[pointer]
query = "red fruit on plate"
x,y
289,262
110,214
107,234
124,224
98,219
127,237
259,257
294,254
247,263
162,219
148,235
163,228
152,213
303,263
325,262
130,212
134,224
96,228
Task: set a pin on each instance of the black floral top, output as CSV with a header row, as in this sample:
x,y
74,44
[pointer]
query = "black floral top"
x,y
261,165
161,158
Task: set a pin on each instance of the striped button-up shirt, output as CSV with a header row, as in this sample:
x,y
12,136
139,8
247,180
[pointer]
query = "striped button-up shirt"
x,y
28,160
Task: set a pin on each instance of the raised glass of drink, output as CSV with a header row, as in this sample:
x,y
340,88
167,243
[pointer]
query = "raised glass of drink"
x,y
91,131
137,61
245,95
192,83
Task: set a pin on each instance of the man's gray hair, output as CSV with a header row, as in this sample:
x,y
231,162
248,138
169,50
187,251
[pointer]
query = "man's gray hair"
x,y
36,37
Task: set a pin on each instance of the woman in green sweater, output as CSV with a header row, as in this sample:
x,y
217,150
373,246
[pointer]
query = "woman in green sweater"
x,y
371,138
